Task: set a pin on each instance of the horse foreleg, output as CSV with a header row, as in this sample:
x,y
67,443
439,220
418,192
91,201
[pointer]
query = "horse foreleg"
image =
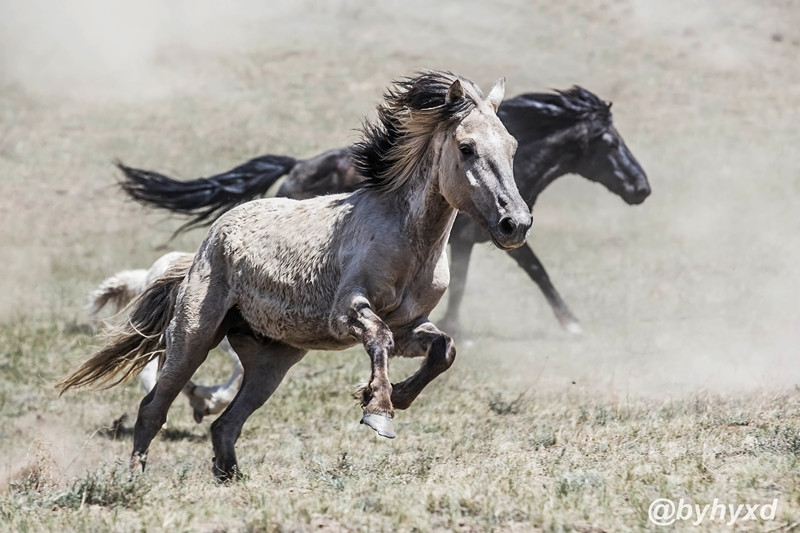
x,y
460,253
439,351
528,261
361,322
265,364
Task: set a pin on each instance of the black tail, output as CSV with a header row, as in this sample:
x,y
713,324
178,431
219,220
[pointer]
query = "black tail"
x,y
205,199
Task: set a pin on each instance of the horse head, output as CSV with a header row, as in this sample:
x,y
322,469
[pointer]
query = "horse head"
x,y
608,161
478,174
605,157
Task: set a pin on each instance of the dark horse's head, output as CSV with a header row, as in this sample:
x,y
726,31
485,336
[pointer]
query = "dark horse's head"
x,y
580,119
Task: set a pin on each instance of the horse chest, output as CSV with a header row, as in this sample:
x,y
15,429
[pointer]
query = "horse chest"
x,y
419,293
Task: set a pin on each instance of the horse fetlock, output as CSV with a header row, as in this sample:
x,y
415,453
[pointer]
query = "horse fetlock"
x,y
226,470
138,459
566,319
377,398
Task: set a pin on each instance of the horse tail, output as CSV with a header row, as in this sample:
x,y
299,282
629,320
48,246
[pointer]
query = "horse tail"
x,y
117,291
205,199
130,346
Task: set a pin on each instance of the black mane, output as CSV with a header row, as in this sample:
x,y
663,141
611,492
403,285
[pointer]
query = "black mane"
x,y
530,116
411,107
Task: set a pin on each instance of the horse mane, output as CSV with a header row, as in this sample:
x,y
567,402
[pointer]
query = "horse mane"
x,y
531,116
413,109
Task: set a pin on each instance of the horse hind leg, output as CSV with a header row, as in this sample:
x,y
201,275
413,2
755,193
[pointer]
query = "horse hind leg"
x,y
265,364
183,358
195,329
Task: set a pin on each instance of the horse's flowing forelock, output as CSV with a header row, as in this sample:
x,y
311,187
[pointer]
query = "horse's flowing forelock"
x,y
413,109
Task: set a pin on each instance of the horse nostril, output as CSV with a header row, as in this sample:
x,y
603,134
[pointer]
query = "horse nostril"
x,y
507,226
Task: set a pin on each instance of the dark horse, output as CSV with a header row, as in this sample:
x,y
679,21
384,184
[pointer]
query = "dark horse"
x,y
558,133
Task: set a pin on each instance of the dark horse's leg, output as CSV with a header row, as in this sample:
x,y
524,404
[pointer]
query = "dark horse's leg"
x,y
460,252
421,339
265,363
526,259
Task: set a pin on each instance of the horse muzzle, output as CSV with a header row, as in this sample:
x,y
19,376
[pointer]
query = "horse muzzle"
x,y
635,195
511,230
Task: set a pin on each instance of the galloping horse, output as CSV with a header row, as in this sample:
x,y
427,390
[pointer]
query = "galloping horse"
x,y
280,277
560,133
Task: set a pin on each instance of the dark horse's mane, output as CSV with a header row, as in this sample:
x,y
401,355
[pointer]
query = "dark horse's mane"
x,y
528,116
412,109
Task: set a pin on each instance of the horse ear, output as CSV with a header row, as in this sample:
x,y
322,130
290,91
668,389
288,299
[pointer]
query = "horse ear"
x,y
497,93
454,93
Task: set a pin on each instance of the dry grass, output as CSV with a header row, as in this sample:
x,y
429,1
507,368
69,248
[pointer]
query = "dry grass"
x,y
683,386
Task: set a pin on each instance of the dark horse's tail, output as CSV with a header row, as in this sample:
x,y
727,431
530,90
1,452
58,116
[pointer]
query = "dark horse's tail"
x,y
133,344
205,199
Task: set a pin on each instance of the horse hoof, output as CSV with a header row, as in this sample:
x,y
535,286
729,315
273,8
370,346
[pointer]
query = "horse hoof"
x,y
198,416
573,328
138,459
383,424
225,475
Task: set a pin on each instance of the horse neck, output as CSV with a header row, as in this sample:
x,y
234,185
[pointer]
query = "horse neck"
x,y
429,217
539,163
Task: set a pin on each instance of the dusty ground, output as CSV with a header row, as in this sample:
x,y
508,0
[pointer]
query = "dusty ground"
x,y
684,384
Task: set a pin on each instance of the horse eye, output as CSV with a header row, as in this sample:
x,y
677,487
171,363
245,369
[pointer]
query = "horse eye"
x,y
466,149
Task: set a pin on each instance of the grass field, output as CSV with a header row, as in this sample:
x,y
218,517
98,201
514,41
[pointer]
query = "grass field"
x,y
684,385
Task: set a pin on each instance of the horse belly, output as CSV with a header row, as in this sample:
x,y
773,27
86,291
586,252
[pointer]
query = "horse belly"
x,y
291,319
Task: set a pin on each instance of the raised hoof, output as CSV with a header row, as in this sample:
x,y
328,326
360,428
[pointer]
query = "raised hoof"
x,y
383,424
198,416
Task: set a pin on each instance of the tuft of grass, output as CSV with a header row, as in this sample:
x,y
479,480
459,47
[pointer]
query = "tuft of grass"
x,y
503,406
107,487
39,473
